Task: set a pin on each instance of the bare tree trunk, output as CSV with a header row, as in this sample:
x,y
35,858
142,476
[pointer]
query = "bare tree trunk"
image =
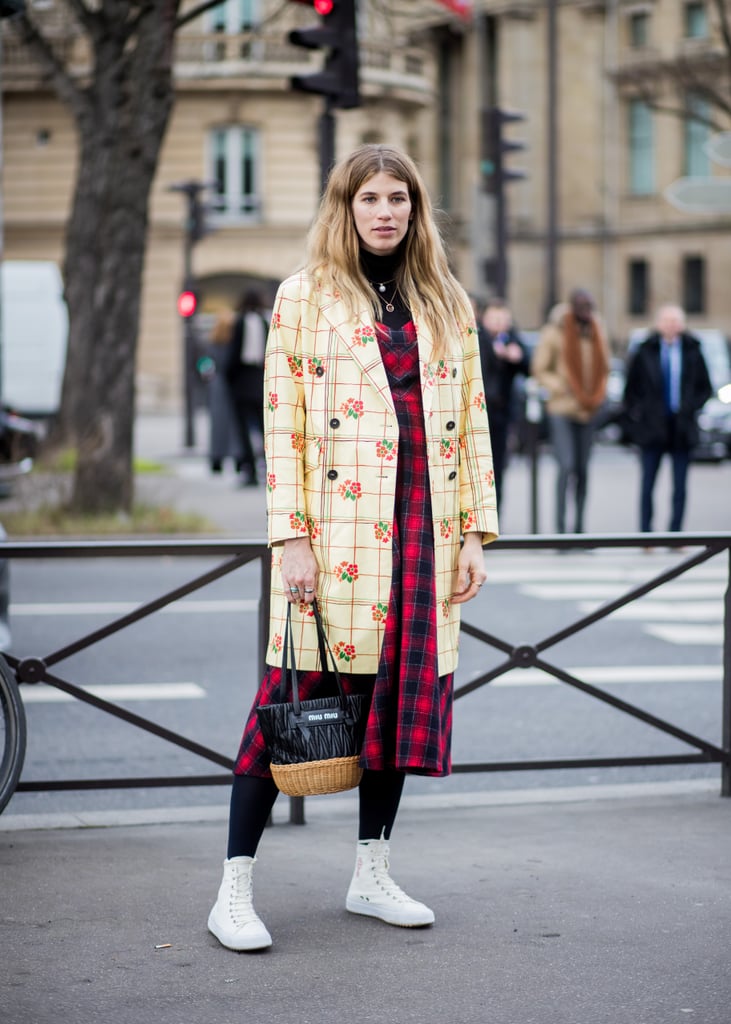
x,y
121,115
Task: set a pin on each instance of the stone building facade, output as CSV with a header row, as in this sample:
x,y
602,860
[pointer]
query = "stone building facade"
x,y
426,75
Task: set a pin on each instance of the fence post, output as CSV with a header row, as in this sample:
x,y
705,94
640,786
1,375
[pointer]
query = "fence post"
x,y
726,702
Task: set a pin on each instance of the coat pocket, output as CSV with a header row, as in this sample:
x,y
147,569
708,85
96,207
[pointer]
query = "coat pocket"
x,y
314,447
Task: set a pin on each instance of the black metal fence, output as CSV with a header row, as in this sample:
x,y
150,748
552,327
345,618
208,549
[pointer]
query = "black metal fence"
x,y
702,547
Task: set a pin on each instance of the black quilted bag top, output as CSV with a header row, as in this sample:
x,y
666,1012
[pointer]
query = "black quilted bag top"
x,y
322,737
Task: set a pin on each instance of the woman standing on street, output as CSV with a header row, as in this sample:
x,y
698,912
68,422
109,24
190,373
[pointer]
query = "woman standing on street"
x,y
378,464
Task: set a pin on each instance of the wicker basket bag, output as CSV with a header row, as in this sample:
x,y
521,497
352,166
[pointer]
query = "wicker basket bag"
x,y
314,744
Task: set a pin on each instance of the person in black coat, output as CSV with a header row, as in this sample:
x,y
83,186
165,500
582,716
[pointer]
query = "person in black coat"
x,y
502,356
667,385
245,375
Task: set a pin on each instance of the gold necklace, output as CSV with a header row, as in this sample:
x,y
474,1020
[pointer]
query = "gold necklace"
x,y
381,286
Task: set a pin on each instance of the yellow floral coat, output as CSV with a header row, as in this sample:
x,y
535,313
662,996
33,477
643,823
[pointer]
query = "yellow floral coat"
x,y
331,437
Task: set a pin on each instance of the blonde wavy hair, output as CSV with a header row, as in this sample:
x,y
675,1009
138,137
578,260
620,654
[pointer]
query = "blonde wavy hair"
x,y
424,279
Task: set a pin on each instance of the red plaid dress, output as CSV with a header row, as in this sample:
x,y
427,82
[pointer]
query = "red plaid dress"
x,y
410,721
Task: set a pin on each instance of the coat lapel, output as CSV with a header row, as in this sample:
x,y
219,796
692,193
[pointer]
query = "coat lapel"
x,y
359,338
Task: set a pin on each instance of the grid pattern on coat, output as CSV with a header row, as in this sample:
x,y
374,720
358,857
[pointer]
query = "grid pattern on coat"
x,y
410,721
329,401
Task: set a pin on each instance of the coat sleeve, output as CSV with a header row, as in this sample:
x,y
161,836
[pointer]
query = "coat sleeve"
x,y
284,416
543,366
703,388
477,495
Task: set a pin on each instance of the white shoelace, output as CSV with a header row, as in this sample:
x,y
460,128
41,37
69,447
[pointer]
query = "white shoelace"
x,y
240,904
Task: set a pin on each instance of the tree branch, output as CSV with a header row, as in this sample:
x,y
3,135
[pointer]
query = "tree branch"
x,y
66,87
88,19
724,20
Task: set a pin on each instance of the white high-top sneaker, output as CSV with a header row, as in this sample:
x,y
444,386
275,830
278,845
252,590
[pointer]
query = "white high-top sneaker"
x,y
233,919
374,893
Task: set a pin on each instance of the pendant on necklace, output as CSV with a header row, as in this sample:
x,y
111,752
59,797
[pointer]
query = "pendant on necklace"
x,y
389,307
381,287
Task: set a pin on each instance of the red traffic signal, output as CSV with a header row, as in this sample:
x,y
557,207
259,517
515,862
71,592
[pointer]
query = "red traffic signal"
x,y
187,303
321,6
337,35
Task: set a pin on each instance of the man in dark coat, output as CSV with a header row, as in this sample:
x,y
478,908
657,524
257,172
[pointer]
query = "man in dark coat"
x,y
502,356
667,385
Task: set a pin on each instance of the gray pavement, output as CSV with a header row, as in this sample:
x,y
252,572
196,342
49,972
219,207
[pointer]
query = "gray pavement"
x,y
549,911
608,905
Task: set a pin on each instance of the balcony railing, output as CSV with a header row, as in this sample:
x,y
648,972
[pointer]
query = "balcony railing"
x,y
254,56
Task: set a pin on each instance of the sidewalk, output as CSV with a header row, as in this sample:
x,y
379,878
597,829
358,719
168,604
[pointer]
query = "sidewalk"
x,y
614,487
598,911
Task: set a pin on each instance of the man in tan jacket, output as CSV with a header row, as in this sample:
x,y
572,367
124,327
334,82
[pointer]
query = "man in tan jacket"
x,y
571,363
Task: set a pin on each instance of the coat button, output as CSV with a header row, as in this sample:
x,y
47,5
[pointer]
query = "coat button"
x,y
450,425
320,371
334,423
454,372
332,474
453,474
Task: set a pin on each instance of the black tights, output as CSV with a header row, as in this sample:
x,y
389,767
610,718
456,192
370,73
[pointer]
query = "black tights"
x,y
252,800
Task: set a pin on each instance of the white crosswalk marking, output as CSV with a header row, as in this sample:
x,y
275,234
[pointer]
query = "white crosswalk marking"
x,y
686,610
600,590
184,607
646,609
43,694
612,675
687,635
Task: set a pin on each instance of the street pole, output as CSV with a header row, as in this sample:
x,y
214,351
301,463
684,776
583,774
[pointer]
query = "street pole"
x,y
188,346
551,293
193,232
327,142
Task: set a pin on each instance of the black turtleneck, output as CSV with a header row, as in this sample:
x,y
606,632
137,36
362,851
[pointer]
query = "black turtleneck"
x,y
384,270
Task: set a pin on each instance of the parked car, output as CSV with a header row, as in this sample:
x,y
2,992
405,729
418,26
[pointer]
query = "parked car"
x,y
714,420
19,441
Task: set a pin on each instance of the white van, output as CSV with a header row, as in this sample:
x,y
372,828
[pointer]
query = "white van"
x,y
34,336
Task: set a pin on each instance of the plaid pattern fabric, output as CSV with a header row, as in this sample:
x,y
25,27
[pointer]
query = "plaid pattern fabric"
x,y
410,722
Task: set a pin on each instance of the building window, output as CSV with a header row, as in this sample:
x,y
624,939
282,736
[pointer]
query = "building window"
x,y
234,16
695,20
638,287
641,149
234,167
694,284
695,136
639,29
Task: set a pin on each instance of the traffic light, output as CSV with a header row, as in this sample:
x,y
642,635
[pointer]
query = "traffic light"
x,y
187,303
338,80
197,226
494,148
495,175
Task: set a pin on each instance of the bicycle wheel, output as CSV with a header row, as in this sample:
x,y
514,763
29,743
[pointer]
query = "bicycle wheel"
x,y
12,734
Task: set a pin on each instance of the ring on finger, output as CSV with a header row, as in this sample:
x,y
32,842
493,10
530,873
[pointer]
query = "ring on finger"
x,y
309,590
294,590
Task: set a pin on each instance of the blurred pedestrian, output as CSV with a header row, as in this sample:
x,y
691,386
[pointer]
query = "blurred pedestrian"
x,y
571,362
380,497
245,373
223,437
502,356
667,385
